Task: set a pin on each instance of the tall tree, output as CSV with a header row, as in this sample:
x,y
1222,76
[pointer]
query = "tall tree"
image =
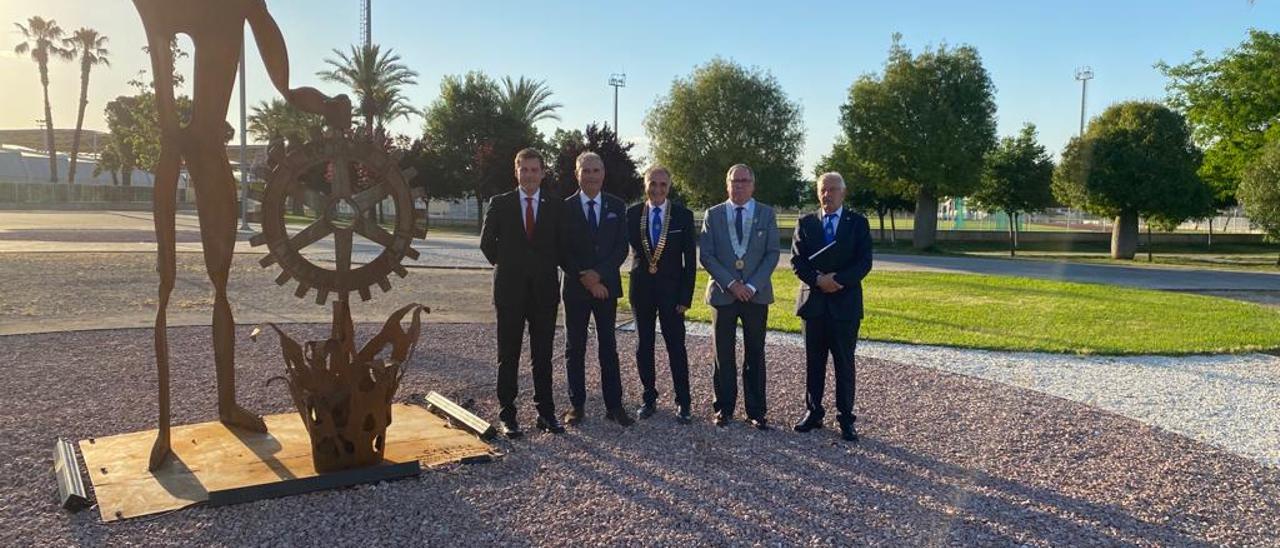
x,y
91,47
377,79
1232,103
1017,179
527,100
723,114
474,141
927,121
621,177
1259,190
1136,159
869,189
41,38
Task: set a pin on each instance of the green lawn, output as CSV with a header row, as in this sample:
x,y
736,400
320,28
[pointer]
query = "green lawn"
x,y
1005,313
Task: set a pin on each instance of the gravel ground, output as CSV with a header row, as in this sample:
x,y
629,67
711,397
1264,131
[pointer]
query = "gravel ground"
x,y
945,459
1230,401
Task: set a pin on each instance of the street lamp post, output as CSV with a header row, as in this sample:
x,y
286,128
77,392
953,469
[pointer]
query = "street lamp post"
x,y
617,80
1083,74
244,143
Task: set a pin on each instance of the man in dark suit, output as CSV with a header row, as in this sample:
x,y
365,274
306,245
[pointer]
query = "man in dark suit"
x,y
831,254
520,238
593,247
663,270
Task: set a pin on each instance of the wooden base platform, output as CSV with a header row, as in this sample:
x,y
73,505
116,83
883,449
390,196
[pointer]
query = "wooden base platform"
x,y
212,458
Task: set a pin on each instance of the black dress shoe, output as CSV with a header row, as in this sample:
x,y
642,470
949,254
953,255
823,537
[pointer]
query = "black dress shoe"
x,y
509,429
721,420
620,416
809,422
760,423
848,433
573,417
683,416
645,411
550,424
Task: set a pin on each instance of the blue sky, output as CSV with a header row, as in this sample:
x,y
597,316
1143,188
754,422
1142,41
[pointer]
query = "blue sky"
x,y
815,49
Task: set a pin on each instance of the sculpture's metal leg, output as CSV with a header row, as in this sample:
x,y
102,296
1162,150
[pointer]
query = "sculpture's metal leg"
x,y
163,210
216,204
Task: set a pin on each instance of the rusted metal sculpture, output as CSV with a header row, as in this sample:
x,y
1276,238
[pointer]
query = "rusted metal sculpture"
x,y
344,397
216,30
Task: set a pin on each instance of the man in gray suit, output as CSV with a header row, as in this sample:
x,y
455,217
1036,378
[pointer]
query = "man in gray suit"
x,y
739,249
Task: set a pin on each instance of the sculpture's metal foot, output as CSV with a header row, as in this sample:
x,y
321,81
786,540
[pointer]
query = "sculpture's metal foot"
x,y
237,416
159,451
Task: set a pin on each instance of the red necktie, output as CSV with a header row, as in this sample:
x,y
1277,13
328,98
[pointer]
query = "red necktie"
x,y
528,218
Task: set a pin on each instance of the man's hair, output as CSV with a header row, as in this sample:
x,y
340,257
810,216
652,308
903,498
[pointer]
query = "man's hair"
x,y
728,175
528,153
648,173
577,164
831,175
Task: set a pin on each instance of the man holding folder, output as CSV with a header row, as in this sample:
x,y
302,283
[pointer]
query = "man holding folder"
x,y
831,254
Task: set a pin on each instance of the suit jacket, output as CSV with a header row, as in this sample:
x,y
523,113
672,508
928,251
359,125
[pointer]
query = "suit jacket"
x,y
849,257
516,260
603,250
678,265
717,255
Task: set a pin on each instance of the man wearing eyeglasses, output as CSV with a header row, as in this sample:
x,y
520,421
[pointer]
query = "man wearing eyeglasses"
x,y
831,254
739,249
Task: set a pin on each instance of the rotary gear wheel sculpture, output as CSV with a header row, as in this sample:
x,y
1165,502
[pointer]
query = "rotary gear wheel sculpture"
x,y
343,213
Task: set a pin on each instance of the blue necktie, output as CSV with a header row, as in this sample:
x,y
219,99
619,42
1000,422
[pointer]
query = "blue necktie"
x,y
591,215
830,228
655,228
737,222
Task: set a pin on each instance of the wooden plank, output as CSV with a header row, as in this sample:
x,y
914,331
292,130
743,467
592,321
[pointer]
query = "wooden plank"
x,y
210,457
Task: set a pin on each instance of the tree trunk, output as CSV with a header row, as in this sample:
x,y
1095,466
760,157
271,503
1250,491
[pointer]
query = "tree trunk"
x,y
1210,233
75,140
925,232
426,213
48,124
893,228
1150,257
126,175
1124,236
1013,238
1016,230
880,212
479,214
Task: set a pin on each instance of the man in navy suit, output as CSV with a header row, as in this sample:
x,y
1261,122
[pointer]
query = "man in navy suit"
x,y
593,247
831,254
663,269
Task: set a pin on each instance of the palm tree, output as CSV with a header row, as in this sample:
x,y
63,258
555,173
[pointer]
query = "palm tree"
x,y
91,47
42,38
528,100
376,78
278,120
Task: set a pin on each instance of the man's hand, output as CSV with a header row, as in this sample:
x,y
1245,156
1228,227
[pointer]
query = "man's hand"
x,y
598,291
589,278
681,309
740,291
828,284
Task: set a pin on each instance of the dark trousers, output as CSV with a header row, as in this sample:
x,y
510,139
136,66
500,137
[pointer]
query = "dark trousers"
x,y
647,315
512,318
576,315
822,337
724,323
